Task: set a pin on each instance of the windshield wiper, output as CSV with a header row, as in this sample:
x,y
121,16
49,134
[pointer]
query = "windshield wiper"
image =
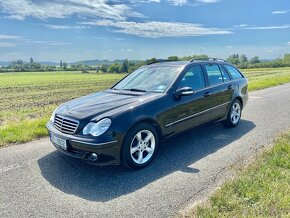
x,y
135,90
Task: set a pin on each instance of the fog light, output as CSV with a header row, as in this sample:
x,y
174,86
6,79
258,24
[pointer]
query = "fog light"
x,y
93,157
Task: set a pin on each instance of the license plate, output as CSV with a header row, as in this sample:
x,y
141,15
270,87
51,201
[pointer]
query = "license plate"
x,y
59,142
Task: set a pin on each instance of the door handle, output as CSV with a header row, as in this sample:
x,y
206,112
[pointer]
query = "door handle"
x,y
230,87
207,94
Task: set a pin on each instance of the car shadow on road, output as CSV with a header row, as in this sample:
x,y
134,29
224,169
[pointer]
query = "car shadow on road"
x,y
93,183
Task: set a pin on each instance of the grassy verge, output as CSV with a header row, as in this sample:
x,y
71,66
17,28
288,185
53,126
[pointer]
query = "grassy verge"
x,y
27,99
261,190
24,131
267,77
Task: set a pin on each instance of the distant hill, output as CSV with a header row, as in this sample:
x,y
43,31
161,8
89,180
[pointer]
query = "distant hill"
x,y
86,62
5,63
93,62
49,63
105,62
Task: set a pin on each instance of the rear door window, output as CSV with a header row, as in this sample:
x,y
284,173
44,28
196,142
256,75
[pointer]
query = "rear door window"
x,y
214,74
226,76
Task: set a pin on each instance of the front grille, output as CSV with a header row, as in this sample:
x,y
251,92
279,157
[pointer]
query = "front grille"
x,y
65,125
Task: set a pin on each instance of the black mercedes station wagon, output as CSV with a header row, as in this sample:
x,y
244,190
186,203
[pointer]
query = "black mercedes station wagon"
x,y
126,123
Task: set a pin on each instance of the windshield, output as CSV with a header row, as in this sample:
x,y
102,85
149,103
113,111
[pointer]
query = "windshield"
x,y
149,79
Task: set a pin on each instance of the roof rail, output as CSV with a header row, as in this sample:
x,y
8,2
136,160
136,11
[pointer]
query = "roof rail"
x,y
160,60
206,59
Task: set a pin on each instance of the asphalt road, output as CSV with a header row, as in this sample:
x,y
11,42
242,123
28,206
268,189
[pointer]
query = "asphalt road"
x,y
37,181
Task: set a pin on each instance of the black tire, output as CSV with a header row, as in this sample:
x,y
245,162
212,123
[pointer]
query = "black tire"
x,y
233,121
131,141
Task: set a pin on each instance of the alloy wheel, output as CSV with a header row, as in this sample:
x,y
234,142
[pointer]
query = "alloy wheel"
x,y
236,113
142,147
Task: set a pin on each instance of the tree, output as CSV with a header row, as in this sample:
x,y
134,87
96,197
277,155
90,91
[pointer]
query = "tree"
x,y
286,59
60,64
114,68
234,59
173,58
64,64
151,60
255,60
132,68
19,62
103,68
243,58
188,58
31,60
125,66
120,70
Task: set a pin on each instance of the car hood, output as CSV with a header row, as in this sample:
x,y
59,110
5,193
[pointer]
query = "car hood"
x,y
94,105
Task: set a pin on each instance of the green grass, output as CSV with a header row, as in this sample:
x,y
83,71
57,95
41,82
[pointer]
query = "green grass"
x,y
267,77
24,131
261,190
28,99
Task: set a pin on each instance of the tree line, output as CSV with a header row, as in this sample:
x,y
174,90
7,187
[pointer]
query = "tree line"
x,y
241,61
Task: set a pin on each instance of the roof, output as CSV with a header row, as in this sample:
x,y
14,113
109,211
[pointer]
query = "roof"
x,y
169,63
184,63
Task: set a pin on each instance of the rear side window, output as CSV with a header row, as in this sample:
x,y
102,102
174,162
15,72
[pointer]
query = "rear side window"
x,y
214,74
234,72
193,78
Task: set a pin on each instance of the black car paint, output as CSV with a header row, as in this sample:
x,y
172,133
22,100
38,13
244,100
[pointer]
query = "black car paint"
x,y
167,113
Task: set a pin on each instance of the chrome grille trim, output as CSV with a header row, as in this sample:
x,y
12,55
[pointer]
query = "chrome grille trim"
x,y
65,125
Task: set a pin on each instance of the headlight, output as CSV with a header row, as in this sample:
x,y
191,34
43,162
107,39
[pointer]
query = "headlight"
x,y
53,115
96,129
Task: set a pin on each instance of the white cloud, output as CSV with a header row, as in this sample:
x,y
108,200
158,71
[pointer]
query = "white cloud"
x,y
288,43
104,9
155,29
207,1
51,42
109,9
240,25
144,1
60,43
10,37
193,3
60,27
41,42
177,2
280,12
6,44
286,26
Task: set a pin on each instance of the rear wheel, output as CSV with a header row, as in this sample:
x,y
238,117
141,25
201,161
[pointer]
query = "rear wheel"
x,y
140,145
234,114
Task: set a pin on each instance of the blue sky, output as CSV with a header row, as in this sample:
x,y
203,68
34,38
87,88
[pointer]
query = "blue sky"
x,y
73,30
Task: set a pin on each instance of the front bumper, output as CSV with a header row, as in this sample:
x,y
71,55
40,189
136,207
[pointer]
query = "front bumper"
x,y
108,151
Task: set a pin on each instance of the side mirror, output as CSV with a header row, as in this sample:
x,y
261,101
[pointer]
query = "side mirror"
x,y
184,91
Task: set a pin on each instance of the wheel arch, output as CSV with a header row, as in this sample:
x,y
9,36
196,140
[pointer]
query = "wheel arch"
x,y
150,121
241,100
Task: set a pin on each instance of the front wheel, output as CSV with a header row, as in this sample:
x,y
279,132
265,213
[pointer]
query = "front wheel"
x,y
234,114
140,146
